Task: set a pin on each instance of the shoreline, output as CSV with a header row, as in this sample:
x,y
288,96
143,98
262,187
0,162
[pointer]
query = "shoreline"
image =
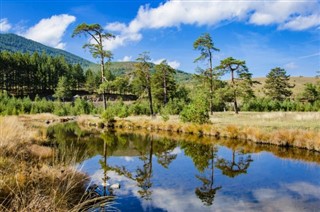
x,y
281,136
286,129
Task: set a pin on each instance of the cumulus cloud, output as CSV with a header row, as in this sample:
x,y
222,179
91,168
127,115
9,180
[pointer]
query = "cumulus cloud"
x,y
50,31
126,59
174,64
292,15
5,26
301,22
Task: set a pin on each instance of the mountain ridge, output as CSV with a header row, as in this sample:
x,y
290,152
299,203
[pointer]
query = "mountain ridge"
x,y
15,43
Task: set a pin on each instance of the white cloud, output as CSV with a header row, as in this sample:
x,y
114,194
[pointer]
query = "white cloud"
x,y
124,36
126,59
293,15
51,30
301,22
291,66
174,64
5,26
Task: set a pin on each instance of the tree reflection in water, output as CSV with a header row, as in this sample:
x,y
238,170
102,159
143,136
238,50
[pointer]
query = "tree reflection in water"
x,y
203,157
234,167
147,146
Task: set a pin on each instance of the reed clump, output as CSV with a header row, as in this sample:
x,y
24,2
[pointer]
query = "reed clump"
x,y
31,177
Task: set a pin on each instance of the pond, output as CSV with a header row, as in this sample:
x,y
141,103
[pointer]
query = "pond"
x,y
172,172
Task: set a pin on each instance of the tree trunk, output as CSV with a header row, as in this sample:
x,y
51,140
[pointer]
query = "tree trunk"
x,y
149,93
235,104
102,75
150,100
164,90
211,84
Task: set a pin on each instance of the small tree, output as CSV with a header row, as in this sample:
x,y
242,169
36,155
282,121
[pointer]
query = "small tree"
x,y
63,89
206,46
310,93
277,84
97,35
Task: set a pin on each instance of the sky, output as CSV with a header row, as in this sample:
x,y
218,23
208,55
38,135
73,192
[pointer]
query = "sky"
x,y
264,33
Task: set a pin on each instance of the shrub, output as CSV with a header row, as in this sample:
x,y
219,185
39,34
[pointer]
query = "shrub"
x,y
195,114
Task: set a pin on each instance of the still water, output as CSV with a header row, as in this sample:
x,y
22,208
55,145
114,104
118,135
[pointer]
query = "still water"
x,y
165,172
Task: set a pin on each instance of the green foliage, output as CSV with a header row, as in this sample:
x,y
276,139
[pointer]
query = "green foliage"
x,y
16,106
277,85
197,111
15,43
63,89
164,112
267,104
206,46
25,74
115,109
91,81
142,76
139,108
163,82
241,82
311,93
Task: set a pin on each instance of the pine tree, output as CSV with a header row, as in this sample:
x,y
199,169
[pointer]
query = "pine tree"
x,y
242,83
63,89
143,76
206,46
164,84
277,85
97,35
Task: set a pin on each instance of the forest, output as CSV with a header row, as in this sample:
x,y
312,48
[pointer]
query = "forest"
x,y
37,82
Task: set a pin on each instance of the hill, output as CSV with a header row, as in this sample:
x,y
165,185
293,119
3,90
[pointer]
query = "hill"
x,y
299,83
120,68
16,43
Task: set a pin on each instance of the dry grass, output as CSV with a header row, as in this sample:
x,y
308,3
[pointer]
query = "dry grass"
x,y
239,145
12,132
279,128
27,181
269,120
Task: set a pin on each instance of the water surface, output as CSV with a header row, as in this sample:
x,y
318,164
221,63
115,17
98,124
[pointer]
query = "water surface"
x,y
165,172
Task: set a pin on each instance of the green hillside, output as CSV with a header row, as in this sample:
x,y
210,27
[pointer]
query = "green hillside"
x,y
120,68
15,43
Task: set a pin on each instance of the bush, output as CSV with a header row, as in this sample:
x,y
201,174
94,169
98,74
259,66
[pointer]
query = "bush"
x,y
193,113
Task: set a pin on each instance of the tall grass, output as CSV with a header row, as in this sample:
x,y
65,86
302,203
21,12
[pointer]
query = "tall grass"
x,y
31,182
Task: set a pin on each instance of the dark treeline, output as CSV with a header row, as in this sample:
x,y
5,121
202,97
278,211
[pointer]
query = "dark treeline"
x,y
25,74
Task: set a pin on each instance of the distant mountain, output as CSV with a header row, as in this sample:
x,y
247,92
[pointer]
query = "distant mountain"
x,y
16,43
120,68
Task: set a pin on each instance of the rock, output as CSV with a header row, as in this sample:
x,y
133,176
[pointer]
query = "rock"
x,y
115,186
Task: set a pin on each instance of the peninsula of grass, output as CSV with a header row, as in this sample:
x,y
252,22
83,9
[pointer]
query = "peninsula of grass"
x,y
296,129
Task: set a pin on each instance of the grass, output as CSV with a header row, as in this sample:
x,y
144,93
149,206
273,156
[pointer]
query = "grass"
x,y
296,129
237,145
31,176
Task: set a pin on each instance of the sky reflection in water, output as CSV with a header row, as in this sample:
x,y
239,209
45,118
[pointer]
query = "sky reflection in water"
x,y
189,176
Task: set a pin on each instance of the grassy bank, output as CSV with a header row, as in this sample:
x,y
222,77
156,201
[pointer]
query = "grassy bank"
x,y
31,179
281,128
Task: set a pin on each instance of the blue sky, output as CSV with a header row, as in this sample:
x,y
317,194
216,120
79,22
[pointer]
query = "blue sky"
x,y
266,34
